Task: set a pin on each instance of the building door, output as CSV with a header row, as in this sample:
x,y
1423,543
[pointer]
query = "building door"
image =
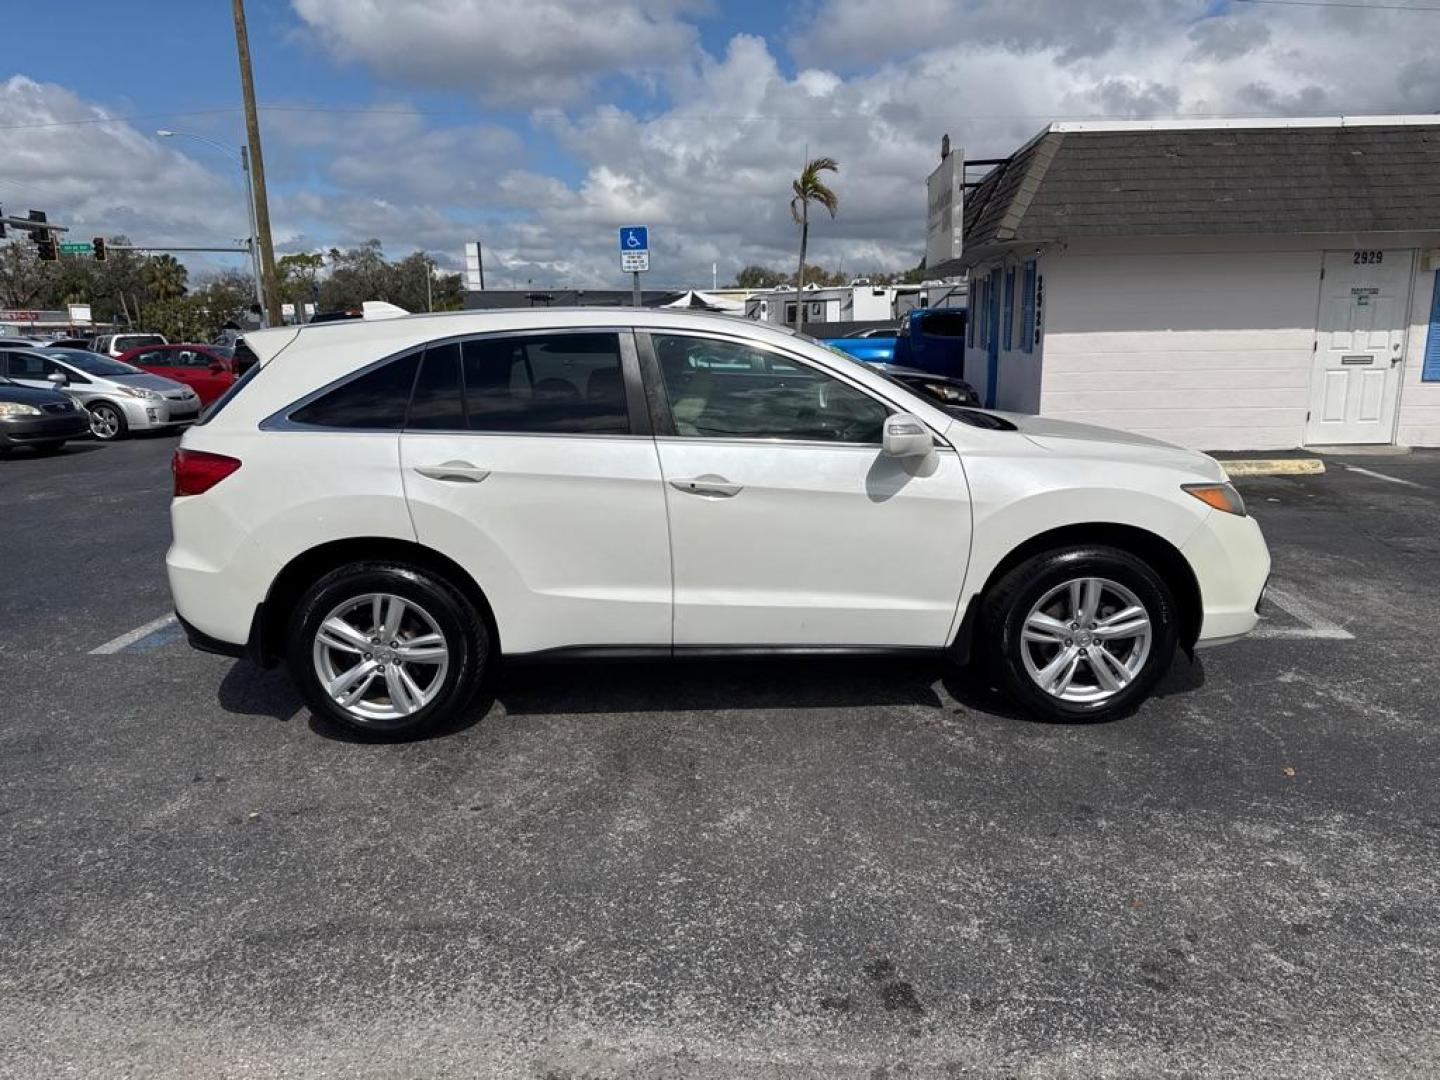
x,y
1359,345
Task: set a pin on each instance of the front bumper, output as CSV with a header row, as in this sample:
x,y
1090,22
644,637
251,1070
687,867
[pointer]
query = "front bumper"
x,y
149,414
49,427
1232,566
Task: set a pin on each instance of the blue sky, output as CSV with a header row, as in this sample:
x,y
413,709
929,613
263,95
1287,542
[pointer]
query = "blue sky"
x,y
538,126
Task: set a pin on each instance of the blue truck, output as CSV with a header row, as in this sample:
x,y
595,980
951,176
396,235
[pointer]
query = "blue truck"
x,y
927,339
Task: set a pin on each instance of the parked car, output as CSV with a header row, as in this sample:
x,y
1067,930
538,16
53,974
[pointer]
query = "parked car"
x,y
71,343
41,419
120,398
389,506
206,369
944,389
115,344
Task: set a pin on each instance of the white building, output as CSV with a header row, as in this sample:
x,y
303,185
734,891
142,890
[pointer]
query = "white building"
x,y
1234,285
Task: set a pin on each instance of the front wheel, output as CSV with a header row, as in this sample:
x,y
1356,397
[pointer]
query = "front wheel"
x,y
1080,634
107,422
387,650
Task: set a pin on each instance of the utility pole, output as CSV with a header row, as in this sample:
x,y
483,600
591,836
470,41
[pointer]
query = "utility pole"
x,y
273,316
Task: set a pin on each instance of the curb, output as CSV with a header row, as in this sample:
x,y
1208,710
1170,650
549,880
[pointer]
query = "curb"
x,y
1273,467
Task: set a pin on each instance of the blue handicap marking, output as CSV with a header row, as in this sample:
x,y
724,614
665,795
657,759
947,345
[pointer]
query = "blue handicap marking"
x,y
635,238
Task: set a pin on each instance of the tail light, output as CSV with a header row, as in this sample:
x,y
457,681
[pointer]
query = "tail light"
x,y
196,471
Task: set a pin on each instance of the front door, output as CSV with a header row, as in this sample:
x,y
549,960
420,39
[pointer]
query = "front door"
x,y
788,525
1359,346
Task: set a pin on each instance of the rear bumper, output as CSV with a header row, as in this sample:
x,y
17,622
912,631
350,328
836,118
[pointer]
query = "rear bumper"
x,y
252,649
24,430
1232,565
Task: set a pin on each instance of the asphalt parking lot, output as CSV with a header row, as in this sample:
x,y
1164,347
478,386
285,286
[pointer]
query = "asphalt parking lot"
x,y
725,869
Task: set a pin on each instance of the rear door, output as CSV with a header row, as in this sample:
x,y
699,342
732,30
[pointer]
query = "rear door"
x,y
789,526
528,459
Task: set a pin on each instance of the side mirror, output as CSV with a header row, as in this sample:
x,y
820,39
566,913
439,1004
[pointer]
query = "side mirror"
x,y
59,378
906,436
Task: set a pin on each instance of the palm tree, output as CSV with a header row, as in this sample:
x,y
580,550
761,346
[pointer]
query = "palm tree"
x,y
810,188
164,277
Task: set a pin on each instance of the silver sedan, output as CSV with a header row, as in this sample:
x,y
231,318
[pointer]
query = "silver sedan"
x,y
120,397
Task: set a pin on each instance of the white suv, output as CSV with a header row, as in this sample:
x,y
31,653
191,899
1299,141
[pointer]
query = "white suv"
x,y
390,506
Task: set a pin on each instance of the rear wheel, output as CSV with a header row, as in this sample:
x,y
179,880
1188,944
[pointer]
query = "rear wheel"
x,y
387,650
1080,634
107,422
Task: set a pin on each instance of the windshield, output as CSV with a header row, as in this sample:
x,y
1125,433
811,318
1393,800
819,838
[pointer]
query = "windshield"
x,y
93,363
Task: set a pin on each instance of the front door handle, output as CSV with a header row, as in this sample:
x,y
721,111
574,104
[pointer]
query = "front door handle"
x,y
709,485
457,472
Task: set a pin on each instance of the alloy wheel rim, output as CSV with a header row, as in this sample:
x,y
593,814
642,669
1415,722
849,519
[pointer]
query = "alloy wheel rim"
x,y
104,423
1086,640
380,657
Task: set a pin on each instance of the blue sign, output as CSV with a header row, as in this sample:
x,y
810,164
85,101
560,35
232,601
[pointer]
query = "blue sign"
x,y
635,238
1430,370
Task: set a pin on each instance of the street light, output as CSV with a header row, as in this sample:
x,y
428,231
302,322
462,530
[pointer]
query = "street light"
x,y
243,156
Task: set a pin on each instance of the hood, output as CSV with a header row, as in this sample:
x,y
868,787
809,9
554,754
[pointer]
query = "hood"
x,y
31,395
1091,440
145,380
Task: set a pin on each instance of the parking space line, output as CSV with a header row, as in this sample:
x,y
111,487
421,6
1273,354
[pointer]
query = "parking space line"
x,y
131,637
1382,476
1316,625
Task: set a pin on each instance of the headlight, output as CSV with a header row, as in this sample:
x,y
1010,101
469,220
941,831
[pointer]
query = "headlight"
x,y
138,391
1219,496
14,408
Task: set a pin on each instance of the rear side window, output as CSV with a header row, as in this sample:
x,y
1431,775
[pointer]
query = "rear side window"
x,y
374,401
943,324
439,400
549,384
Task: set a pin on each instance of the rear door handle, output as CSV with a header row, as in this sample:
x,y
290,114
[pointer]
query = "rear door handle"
x,y
457,472
709,485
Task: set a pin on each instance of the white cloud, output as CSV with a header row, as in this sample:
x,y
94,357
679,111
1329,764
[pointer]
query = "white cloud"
x,y
710,170
107,178
508,52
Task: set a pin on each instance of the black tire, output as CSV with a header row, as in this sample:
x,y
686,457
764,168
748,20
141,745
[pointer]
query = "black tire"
x,y
466,638
1010,601
115,425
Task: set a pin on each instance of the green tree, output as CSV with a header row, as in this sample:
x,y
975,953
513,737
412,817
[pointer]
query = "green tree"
x,y
164,277
760,277
809,188
299,279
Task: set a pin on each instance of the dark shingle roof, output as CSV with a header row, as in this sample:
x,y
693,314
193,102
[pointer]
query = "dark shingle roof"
x,y
1210,181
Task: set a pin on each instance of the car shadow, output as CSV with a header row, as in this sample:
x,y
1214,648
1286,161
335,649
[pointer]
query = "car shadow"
x,y
709,685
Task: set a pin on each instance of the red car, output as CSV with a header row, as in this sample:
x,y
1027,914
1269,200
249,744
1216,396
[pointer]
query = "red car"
x,y
208,369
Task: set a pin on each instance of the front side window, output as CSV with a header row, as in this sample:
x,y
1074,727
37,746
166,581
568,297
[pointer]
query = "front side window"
x,y
726,390
374,401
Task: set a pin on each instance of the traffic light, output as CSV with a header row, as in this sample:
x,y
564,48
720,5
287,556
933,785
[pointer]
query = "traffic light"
x,y
2,223
46,248
99,245
38,216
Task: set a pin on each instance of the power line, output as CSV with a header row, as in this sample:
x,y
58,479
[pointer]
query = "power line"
x,y
1353,4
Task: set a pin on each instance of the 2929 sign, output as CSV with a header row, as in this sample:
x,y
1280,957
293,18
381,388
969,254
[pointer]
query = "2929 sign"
x,y
1368,258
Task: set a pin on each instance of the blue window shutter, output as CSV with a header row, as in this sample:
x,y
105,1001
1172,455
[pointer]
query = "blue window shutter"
x,y
1027,309
1430,371
1009,328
